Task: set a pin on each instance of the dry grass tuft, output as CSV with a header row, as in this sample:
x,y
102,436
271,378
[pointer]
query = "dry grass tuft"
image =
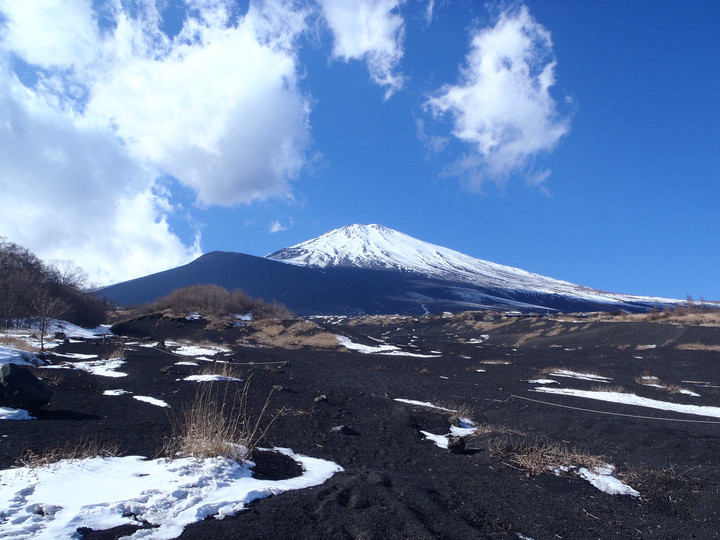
x,y
221,369
218,424
608,388
697,347
543,456
82,449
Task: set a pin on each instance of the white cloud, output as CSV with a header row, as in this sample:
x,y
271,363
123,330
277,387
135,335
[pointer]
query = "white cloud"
x,y
429,11
94,114
370,30
276,226
502,107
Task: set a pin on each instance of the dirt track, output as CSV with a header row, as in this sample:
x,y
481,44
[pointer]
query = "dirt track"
x,y
398,484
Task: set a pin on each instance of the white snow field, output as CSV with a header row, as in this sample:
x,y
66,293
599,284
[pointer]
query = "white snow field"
x,y
53,501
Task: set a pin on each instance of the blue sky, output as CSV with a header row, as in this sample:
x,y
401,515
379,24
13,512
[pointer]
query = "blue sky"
x,y
136,135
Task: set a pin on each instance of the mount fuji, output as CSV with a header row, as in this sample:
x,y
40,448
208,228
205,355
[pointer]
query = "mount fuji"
x,y
371,269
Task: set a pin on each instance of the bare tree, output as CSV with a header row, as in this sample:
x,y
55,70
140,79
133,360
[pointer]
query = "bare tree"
x,y
47,307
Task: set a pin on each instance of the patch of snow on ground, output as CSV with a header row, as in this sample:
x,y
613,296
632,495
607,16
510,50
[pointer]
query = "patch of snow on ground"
x,y
543,381
209,378
102,368
185,363
54,501
467,427
383,348
152,401
117,392
602,478
581,376
73,331
8,413
423,404
632,399
195,350
16,356
76,356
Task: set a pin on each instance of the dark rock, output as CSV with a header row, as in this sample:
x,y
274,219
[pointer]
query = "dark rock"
x,y
344,430
456,445
454,421
20,389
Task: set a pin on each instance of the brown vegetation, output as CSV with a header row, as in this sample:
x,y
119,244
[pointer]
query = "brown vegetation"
x,y
218,424
211,301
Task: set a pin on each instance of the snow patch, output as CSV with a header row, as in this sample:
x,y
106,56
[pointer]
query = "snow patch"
x,y
209,378
423,404
152,401
632,399
382,348
581,376
117,392
101,493
8,413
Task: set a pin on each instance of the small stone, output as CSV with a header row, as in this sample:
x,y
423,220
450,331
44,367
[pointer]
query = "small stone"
x,y
320,398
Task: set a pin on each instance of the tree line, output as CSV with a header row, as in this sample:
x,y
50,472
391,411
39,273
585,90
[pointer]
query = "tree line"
x,y
34,291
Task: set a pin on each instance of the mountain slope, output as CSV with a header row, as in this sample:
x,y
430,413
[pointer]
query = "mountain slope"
x,y
378,247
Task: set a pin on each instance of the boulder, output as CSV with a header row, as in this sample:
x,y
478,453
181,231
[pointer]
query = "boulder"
x,y
20,389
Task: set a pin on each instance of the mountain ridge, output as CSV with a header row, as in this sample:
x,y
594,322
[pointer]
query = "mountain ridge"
x,y
376,246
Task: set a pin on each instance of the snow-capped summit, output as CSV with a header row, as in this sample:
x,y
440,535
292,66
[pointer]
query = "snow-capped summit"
x,y
378,247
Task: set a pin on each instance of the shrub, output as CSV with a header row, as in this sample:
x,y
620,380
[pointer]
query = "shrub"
x,y
214,301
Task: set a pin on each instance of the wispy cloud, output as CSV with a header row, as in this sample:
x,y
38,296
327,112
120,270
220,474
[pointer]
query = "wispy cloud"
x,y
276,226
369,30
429,11
501,107
97,104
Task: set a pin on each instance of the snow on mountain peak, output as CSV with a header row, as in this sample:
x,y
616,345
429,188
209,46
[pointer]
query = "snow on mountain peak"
x,y
377,247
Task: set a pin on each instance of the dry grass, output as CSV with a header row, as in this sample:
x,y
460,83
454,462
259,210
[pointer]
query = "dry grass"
x,y
218,423
13,342
118,352
221,369
608,388
543,456
81,449
656,382
291,335
697,347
